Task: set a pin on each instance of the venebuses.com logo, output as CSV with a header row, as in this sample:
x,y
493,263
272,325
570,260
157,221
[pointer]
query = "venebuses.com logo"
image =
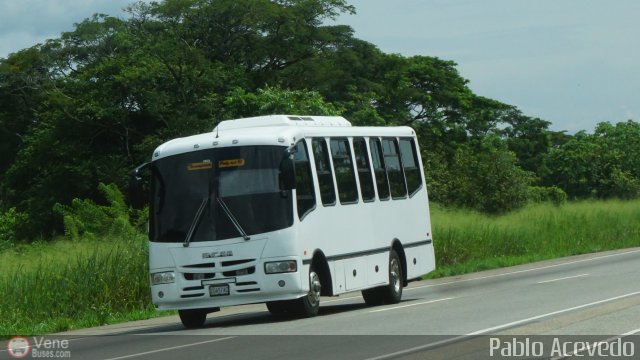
x,y
18,347
39,347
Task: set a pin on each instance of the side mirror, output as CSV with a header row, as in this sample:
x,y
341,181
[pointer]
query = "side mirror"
x,y
136,196
287,173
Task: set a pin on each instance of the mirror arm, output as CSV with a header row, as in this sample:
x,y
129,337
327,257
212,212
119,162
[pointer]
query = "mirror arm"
x,y
135,189
135,173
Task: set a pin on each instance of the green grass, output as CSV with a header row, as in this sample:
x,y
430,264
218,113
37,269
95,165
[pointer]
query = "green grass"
x,y
466,241
61,285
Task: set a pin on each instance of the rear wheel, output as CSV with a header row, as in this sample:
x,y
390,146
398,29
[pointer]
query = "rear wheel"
x,y
372,297
390,293
193,318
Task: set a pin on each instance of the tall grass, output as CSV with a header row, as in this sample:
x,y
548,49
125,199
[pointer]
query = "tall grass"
x,y
467,241
56,287
97,275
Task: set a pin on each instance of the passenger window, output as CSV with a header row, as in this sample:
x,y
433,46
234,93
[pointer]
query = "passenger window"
x,y
343,168
305,196
410,164
323,169
394,168
364,170
377,159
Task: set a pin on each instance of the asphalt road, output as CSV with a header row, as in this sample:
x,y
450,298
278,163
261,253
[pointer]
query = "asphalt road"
x,y
590,298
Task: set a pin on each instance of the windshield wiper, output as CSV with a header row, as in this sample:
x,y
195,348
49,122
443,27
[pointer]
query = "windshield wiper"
x,y
233,219
196,220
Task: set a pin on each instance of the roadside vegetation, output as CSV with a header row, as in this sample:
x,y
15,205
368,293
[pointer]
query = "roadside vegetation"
x,y
96,274
63,284
468,241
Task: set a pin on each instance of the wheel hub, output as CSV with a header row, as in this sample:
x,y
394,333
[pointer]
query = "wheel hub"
x,y
394,274
314,287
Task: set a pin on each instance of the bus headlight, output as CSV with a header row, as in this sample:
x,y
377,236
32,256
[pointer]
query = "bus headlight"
x,y
277,267
166,277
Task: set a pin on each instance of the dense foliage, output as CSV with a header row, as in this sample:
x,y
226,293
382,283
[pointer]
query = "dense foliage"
x,y
97,276
86,107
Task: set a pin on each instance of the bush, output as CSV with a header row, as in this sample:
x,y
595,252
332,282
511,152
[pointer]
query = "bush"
x,y
11,223
624,185
551,194
482,176
84,218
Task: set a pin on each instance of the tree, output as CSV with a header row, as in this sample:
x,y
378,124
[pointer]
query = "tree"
x,y
270,101
483,175
530,139
86,107
604,164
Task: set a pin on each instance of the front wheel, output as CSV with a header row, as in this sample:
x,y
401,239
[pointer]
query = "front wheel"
x,y
308,305
193,318
278,308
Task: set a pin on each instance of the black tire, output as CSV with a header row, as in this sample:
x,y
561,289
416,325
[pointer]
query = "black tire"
x,y
373,297
392,293
193,318
309,304
278,308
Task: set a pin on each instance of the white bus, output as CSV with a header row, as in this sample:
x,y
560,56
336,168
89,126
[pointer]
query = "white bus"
x,y
282,210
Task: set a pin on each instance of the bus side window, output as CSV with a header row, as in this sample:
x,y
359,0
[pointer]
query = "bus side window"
x,y
364,170
410,165
323,169
305,195
382,182
394,168
343,168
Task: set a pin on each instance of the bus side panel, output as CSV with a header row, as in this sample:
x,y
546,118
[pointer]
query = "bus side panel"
x,y
337,275
377,269
420,260
356,273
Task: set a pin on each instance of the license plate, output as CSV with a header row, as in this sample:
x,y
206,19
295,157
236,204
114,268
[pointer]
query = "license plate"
x,y
219,290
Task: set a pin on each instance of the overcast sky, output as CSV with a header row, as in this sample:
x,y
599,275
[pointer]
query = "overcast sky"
x,y
572,62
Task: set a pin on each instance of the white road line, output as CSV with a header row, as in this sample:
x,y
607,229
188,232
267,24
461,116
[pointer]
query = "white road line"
x,y
563,278
170,348
480,332
413,304
632,332
513,323
523,271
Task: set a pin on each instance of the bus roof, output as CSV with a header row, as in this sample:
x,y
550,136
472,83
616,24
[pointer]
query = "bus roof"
x,y
283,130
282,120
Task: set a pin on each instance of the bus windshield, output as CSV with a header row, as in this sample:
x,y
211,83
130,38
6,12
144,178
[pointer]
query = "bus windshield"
x,y
190,190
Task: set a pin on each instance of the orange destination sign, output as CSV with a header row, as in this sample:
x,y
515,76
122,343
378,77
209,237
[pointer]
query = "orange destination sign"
x,y
231,163
204,164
